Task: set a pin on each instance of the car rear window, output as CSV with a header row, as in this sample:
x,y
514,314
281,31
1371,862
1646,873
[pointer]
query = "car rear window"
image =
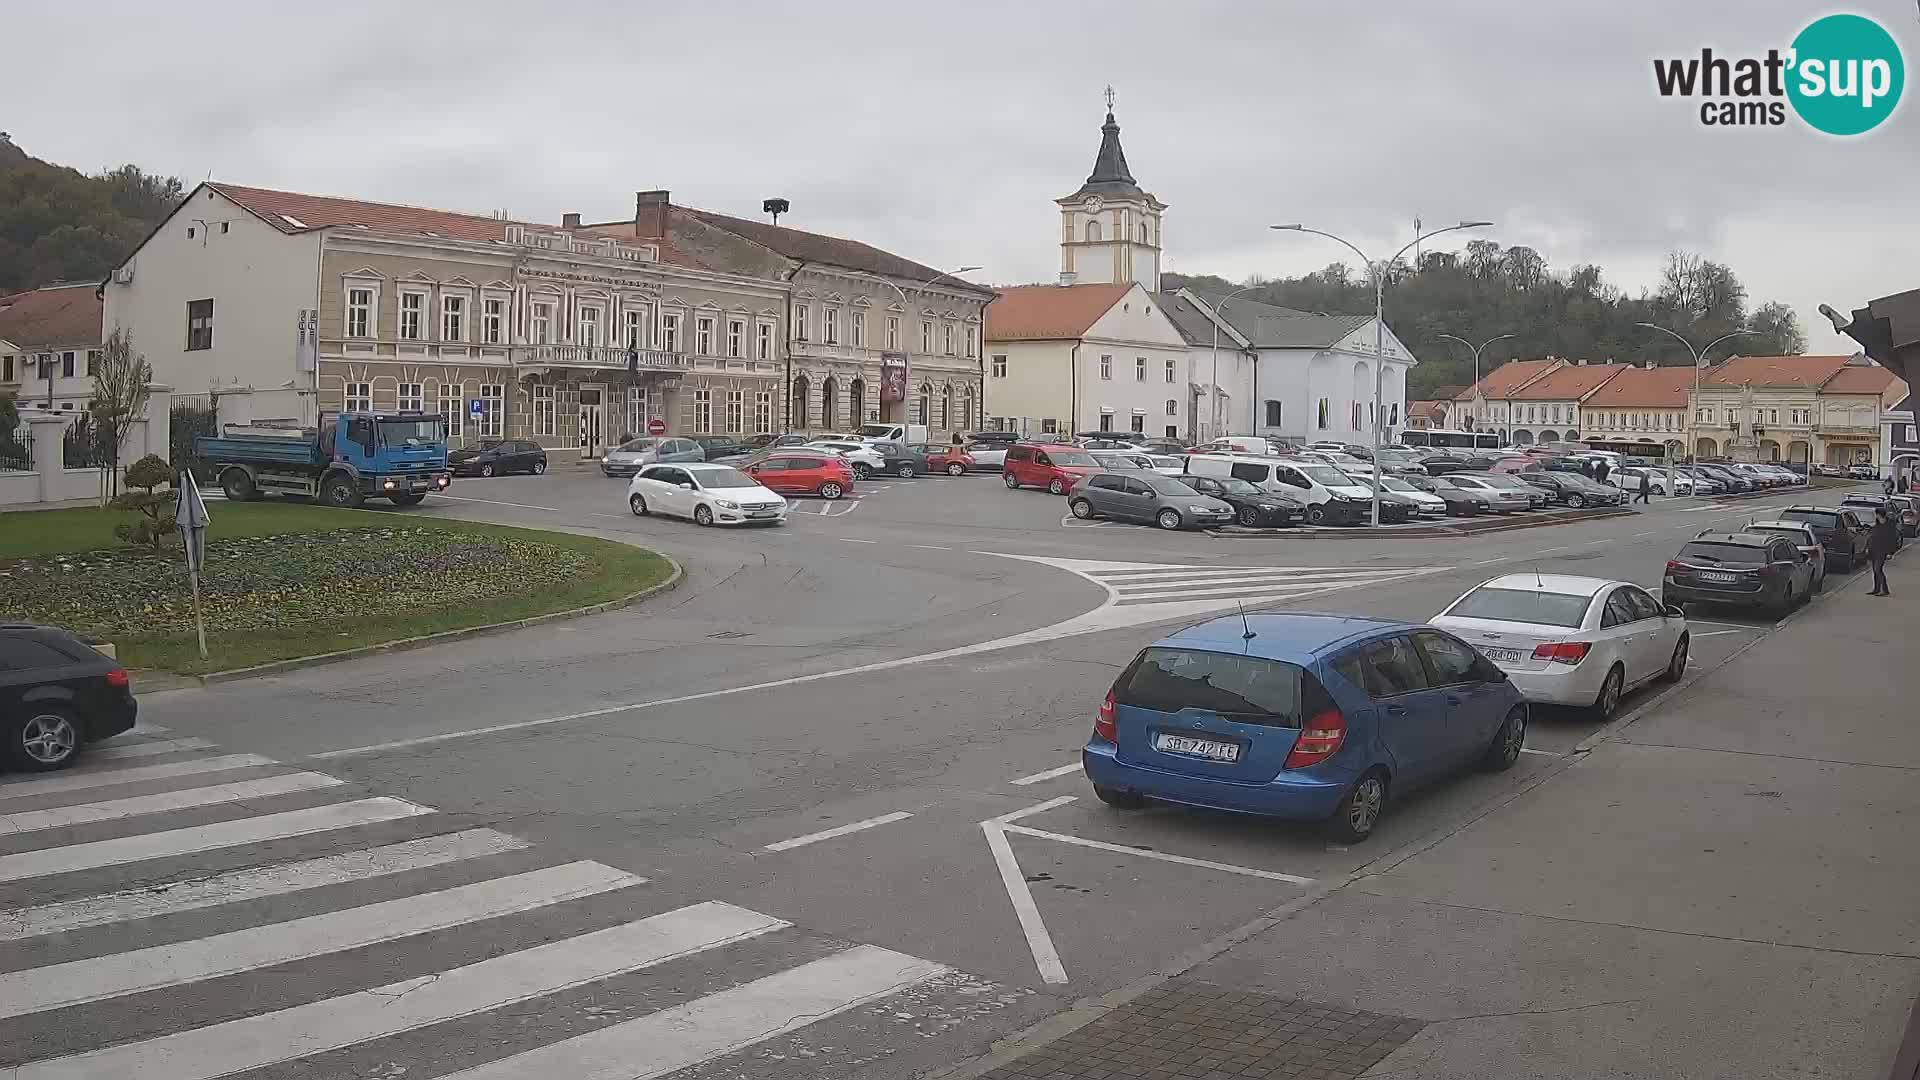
x,y
1523,605
1246,689
1731,554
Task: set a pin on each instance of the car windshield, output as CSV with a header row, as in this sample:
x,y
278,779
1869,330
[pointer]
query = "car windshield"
x,y
637,446
725,478
1167,485
1233,485
410,432
1522,605
1394,483
1326,474
1245,688
1073,459
1725,554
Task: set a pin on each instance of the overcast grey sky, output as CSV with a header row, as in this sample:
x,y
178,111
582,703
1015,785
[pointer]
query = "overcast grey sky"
x,y
945,131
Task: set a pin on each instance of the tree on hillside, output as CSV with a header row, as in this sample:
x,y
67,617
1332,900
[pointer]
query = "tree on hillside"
x,y
59,225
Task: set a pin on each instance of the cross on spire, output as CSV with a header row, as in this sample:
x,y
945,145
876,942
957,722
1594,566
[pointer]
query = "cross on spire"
x,y
1109,97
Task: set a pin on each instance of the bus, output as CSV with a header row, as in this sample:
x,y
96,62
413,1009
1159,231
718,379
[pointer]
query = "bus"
x,y
1450,439
1636,448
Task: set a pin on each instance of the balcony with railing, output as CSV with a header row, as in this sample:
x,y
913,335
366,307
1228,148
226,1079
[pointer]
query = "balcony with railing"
x,y
604,357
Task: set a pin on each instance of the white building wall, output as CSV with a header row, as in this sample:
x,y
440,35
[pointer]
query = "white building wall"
x,y
1132,330
258,278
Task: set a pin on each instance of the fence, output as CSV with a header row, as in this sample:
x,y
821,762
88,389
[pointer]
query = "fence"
x,y
85,444
51,456
16,450
190,417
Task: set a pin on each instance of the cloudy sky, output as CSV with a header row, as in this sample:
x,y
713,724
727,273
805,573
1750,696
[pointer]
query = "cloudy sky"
x,y
945,132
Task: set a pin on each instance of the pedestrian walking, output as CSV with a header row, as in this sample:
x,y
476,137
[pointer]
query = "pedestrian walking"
x,y
1889,485
1600,470
1646,489
1880,544
1902,483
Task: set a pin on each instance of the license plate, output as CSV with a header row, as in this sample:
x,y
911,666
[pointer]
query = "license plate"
x,y
761,513
1200,748
1716,575
1503,656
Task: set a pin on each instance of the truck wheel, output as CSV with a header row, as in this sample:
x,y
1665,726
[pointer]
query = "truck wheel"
x,y
412,498
238,486
340,491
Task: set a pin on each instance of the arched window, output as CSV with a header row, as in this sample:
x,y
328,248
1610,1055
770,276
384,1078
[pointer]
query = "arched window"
x,y
946,405
857,401
797,403
830,403
921,403
1143,232
1093,232
966,409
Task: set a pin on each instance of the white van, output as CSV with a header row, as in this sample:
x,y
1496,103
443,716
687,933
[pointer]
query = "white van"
x,y
1329,495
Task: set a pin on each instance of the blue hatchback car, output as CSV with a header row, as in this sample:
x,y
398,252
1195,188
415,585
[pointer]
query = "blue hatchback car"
x,y
1301,716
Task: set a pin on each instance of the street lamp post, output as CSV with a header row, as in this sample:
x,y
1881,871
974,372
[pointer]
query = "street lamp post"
x,y
1693,405
1476,349
1379,271
906,362
1213,405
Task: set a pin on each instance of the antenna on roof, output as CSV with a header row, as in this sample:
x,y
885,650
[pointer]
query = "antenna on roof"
x,y
1247,627
1537,583
775,207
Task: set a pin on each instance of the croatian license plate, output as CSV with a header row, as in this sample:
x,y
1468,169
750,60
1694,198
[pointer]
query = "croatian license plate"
x,y
760,513
1503,656
1200,748
1716,575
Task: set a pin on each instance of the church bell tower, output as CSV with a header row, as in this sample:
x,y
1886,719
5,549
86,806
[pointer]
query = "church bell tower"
x,y
1110,228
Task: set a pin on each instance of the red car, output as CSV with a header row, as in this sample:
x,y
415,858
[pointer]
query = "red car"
x,y
794,472
1047,465
951,460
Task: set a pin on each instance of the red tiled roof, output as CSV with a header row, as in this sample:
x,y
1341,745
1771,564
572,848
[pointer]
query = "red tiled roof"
x,y
813,247
57,315
1859,379
1569,383
1050,312
1430,410
1645,388
1501,382
1776,371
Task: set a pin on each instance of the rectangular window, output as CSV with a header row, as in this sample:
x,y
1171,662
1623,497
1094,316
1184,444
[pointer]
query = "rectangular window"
x,y
453,407
765,351
670,331
453,318
493,320
999,365
1172,431
540,327
66,365
736,412
857,329
926,336
589,326
1139,424
6,368
946,338
493,410
893,333
763,413
543,410
799,331
703,411
1170,371
1106,366
199,325
1273,413
1139,369
413,309
412,398
359,397
638,320
1729,415
1325,410
736,338
1106,421
1773,416
703,335
973,342
636,411
359,312
830,324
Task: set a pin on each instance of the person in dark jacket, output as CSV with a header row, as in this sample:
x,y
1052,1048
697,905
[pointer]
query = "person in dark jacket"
x,y
1646,488
1880,544
1600,470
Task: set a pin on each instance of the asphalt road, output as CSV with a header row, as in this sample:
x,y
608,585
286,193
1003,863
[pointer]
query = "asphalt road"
x,y
912,672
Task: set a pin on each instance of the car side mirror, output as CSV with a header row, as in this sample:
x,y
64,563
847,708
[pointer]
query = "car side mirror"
x,y
686,487
1674,611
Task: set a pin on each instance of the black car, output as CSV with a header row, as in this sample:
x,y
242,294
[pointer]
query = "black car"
x,y
1460,502
497,457
1252,506
1757,570
57,693
722,446
1842,532
1555,483
1728,480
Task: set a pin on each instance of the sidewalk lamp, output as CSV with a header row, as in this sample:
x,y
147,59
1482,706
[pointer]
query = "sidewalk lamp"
x,y
1378,269
1476,349
1693,404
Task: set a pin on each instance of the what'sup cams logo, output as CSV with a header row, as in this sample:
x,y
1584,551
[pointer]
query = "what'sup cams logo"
x,y
1842,75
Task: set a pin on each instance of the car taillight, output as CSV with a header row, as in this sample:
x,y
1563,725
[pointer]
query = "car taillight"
x,y
1562,652
1103,721
117,678
1319,739
1765,571
1675,567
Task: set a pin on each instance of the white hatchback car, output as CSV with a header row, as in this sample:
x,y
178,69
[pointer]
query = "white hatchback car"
x,y
1566,640
709,494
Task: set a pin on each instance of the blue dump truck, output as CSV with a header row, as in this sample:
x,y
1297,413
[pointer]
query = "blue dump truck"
x,y
351,457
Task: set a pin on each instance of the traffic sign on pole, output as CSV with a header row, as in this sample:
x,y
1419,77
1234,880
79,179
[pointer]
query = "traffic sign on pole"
x,y
656,427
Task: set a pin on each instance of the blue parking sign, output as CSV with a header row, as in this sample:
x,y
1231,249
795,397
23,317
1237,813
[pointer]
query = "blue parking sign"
x,y
476,407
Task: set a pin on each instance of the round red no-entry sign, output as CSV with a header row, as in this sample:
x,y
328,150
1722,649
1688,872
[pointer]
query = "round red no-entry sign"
x,y
656,426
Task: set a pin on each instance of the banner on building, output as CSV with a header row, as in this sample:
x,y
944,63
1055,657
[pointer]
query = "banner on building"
x,y
893,376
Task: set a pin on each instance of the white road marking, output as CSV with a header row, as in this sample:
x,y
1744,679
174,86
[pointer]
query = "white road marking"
x,y
497,502
1540,753
1717,633
1101,845
1070,767
1710,622
34,990
271,1038
224,834
146,749
851,540
27,821
75,781
1641,535
1551,550
828,834
1046,958
930,547
1489,562
255,882
717,1024
153,729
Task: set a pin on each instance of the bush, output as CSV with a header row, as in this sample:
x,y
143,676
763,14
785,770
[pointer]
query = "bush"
x,y
155,509
187,420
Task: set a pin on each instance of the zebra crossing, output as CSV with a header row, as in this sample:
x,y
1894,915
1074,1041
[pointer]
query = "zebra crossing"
x,y
170,911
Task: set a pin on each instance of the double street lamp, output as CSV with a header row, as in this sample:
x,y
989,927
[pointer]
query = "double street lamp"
x,y
1476,350
1379,268
1693,410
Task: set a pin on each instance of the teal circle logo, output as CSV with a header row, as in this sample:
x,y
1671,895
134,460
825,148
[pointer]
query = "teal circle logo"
x,y
1847,74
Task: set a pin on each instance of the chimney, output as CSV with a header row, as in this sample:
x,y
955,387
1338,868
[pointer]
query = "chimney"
x,y
569,221
650,214
1068,277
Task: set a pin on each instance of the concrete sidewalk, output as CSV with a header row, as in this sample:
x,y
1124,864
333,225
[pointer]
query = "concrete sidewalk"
x,y
1727,887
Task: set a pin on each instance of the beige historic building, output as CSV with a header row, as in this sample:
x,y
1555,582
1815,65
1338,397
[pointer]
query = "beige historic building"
x,y
1794,408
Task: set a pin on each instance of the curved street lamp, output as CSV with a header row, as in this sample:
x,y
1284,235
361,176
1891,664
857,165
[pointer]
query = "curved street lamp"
x,y
1379,271
1476,350
1693,410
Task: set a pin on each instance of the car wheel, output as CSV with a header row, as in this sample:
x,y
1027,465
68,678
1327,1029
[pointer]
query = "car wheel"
x,y
1608,700
486,470
638,504
1507,742
861,470
340,491
905,471
45,739
1081,508
831,490
1012,482
1249,517
1056,486
1119,800
702,515
1359,810
955,469
539,467
1168,519
1578,502
1316,514
1677,666
237,485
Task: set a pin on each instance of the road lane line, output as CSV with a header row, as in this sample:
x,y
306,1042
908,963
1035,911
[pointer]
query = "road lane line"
x,y
255,882
1717,633
27,821
497,502
1539,753
828,834
930,547
1036,808
851,540
1489,562
224,834
1735,625
147,749
1551,550
20,789
35,990
334,1023
719,1024
1205,864
1036,778
1046,958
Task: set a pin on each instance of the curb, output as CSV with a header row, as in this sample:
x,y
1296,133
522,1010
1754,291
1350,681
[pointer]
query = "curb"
x,y
1906,1061
1422,532
425,640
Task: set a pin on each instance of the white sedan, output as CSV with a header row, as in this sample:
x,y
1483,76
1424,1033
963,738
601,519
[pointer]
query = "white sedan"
x,y
1566,640
865,459
709,494
1425,502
